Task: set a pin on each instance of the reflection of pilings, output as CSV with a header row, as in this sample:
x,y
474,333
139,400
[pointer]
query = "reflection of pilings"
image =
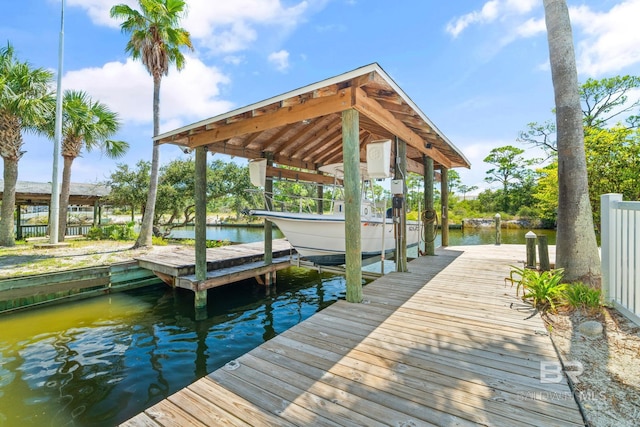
x,y
202,332
269,331
162,386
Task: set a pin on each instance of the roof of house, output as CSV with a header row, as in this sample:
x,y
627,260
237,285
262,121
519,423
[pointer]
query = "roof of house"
x,y
38,193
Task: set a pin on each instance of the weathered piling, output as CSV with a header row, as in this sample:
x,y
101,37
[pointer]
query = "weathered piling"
x,y
530,237
543,252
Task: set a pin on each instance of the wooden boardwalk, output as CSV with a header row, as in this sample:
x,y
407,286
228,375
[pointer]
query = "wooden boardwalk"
x,y
445,344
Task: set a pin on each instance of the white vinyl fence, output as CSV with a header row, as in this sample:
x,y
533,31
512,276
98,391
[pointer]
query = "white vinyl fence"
x,y
620,227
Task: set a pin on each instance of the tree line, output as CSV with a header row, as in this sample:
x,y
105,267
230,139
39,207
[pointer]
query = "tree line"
x,y
529,186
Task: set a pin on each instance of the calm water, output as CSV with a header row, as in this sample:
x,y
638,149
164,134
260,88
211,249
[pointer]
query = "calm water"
x,y
232,234
100,361
477,236
97,362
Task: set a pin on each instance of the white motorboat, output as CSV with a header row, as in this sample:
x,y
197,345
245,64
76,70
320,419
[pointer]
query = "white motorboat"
x,y
321,238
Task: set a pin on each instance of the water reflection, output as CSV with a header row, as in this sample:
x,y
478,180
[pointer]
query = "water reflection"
x,y
100,361
234,234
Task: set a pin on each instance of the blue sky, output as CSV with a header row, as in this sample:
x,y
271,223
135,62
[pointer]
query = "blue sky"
x,y
478,69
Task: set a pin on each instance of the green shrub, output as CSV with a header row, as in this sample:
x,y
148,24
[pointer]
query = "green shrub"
x,y
543,289
217,243
112,232
94,233
581,296
527,212
159,241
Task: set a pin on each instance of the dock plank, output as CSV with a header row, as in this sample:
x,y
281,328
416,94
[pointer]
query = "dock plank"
x,y
225,264
447,343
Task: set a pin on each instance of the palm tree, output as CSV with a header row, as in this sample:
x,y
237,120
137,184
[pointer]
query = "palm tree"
x,y
576,246
156,40
25,100
86,123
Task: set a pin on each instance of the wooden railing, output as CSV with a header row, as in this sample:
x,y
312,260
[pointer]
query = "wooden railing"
x,y
620,225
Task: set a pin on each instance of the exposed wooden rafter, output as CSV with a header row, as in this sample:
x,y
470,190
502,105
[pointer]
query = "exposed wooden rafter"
x,y
303,128
372,109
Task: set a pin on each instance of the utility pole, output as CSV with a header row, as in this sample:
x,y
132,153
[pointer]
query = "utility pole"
x,y
54,210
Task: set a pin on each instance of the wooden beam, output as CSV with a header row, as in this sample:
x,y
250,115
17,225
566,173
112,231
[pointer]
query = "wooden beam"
x,y
312,108
334,155
273,143
281,173
234,150
415,167
328,141
372,109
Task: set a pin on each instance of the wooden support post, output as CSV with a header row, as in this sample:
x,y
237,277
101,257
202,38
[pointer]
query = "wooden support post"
x,y
543,252
200,299
353,244
268,226
444,200
320,196
401,226
201,215
95,214
429,228
530,238
270,278
498,226
18,222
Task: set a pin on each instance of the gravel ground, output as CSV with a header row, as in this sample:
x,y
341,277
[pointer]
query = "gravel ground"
x,y
606,367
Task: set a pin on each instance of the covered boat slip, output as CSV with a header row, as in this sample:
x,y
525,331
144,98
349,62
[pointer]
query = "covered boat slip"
x,y
446,343
331,121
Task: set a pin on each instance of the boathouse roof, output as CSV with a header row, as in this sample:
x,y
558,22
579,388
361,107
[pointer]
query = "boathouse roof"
x,y
39,193
303,129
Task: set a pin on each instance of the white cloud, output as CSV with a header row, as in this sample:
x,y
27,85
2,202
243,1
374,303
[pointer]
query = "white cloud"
x,y
222,26
493,10
606,42
611,39
233,59
531,27
280,59
127,89
460,24
231,26
98,10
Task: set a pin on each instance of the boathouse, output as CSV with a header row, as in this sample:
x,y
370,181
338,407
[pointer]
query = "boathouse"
x,y
325,122
30,193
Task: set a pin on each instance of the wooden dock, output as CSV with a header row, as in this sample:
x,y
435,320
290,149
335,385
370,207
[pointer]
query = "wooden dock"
x,y
447,343
225,264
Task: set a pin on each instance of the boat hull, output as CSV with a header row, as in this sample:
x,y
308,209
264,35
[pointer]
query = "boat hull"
x,y
321,238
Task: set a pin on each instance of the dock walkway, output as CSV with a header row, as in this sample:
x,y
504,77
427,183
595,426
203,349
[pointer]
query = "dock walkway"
x,y
447,343
225,264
